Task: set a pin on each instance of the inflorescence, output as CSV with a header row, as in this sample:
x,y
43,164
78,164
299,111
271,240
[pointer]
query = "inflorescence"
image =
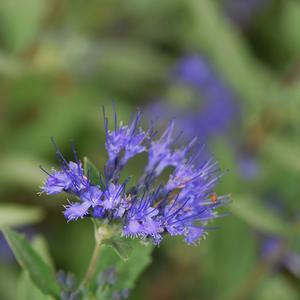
x,y
149,209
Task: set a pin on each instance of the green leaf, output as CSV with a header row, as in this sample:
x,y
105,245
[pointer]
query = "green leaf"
x,y
40,273
260,217
26,289
128,271
41,247
221,255
91,171
20,21
8,281
283,152
277,287
120,245
288,21
15,215
21,170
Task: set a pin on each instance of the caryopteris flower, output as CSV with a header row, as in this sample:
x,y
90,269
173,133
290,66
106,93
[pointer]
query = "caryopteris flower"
x,y
154,206
212,109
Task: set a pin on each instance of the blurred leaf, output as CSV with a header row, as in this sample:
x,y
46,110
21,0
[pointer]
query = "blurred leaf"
x,y
91,171
40,245
276,287
120,245
10,66
21,170
129,271
259,217
26,289
289,26
31,261
233,239
103,294
224,152
9,277
20,21
16,215
284,152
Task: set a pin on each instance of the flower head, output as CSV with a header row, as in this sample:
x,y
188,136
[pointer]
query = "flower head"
x,y
146,210
127,138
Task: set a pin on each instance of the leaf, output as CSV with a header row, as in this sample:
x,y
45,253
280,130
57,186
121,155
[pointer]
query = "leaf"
x,y
21,170
288,21
283,153
128,271
91,171
120,246
26,289
41,247
15,215
255,214
277,287
20,23
40,273
8,280
233,238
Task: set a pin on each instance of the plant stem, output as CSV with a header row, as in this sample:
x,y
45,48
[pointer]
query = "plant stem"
x,y
91,269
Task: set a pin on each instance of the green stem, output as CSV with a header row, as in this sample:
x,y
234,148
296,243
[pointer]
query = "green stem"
x,y
92,266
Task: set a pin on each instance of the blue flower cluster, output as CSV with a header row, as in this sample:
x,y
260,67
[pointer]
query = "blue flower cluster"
x,y
217,108
213,108
183,205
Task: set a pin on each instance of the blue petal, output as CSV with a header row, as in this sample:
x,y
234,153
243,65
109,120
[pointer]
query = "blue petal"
x,y
76,210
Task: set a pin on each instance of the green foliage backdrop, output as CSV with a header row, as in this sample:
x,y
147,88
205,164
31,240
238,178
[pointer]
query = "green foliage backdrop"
x,y
60,61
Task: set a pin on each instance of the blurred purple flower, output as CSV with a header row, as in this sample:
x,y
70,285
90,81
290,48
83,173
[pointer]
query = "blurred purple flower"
x,y
272,246
214,108
249,167
242,12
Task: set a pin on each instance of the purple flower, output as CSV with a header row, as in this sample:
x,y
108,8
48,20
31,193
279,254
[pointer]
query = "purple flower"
x,y
115,200
195,71
187,217
242,12
188,176
161,154
142,219
127,138
217,108
212,109
193,234
90,197
249,167
74,211
181,206
71,179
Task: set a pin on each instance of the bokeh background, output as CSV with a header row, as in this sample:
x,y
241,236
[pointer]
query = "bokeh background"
x,y
227,70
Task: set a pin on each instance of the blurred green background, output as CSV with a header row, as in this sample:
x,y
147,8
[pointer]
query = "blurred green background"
x,y
60,61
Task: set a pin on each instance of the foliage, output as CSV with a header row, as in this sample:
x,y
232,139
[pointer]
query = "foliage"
x,y
60,61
